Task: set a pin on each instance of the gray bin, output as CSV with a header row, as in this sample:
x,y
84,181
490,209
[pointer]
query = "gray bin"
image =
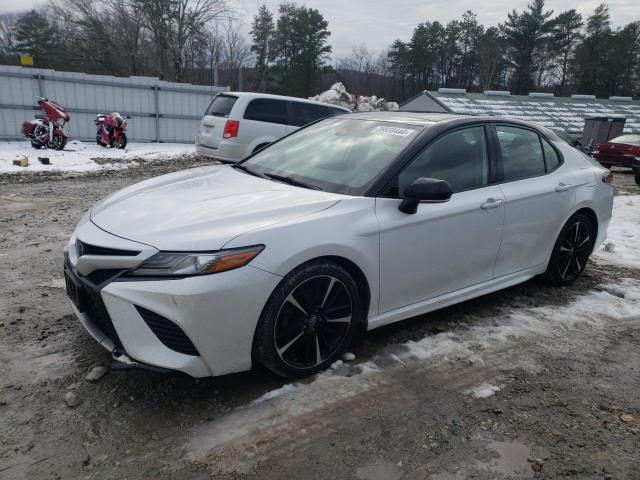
x,y
601,129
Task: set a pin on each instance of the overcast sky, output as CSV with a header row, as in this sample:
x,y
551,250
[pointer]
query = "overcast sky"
x,y
376,23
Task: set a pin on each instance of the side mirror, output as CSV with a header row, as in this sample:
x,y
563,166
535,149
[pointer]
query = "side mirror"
x,y
430,190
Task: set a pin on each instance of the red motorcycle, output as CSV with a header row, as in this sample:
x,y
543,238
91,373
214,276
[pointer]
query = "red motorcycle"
x,y
111,130
46,130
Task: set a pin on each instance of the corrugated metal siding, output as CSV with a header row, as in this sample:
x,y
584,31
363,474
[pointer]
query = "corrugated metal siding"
x,y
179,105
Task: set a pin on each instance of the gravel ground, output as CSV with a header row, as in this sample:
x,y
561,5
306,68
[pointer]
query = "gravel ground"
x,y
552,405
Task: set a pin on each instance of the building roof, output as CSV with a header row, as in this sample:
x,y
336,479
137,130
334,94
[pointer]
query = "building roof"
x,y
568,113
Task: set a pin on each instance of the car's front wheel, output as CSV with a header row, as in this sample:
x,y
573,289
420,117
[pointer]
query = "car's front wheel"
x,y
571,251
309,320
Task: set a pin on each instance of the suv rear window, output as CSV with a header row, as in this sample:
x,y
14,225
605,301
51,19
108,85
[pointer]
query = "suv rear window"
x,y
267,110
221,106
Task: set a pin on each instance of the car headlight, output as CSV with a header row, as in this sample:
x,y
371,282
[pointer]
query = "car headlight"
x,y
179,264
60,121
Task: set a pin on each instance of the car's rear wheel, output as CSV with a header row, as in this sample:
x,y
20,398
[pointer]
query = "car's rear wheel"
x,y
571,251
309,320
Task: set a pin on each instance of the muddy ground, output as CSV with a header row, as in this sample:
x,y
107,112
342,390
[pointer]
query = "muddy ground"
x,y
555,402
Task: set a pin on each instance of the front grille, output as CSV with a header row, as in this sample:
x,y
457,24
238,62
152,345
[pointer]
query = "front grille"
x,y
98,277
168,332
86,296
88,249
97,313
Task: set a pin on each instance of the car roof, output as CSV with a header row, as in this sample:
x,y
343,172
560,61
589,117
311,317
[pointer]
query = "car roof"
x,y
283,97
429,119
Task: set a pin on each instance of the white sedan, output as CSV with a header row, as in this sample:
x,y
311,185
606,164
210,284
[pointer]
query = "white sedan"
x,y
346,225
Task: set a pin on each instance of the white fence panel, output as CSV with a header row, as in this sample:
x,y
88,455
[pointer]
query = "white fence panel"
x,y
160,111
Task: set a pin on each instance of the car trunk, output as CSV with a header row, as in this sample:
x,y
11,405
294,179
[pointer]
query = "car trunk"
x,y
215,118
616,154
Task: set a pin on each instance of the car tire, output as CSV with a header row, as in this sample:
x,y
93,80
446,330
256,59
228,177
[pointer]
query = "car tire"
x,y
571,251
309,320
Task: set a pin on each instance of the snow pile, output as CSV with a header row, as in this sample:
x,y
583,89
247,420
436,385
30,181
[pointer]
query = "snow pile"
x,y
338,95
87,157
622,246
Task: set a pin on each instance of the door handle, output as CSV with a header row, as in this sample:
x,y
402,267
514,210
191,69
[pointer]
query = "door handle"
x,y
492,203
563,187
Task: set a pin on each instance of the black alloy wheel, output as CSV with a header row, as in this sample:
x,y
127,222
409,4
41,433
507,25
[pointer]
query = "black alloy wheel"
x,y
572,250
309,320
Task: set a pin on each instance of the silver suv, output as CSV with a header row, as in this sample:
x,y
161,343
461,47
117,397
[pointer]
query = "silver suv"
x,y
236,124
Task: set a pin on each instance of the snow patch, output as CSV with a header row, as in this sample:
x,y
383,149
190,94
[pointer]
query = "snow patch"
x,y
484,390
348,357
622,246
281,413
81,156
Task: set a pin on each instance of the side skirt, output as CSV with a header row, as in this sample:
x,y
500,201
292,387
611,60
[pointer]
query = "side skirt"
x,y
452,298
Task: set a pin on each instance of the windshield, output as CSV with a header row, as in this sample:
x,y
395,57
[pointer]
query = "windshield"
x,y
221,106
338,155
628,139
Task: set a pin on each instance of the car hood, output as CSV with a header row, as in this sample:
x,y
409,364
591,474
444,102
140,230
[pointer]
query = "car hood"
x,y
203,208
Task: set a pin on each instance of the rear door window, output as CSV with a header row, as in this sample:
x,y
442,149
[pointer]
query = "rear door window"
x,y
221,105
303,113
551,157
521,153
267,110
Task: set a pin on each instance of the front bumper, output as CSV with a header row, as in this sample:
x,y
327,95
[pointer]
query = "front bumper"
x,y
216,313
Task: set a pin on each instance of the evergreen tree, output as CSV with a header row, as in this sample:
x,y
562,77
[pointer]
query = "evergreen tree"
x,y
589,63
300,48
398,58
526,35
34,35
565,37
262,33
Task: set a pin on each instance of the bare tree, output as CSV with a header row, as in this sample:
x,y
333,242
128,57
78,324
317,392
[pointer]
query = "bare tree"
x,y
235,51
362,61
7,35
173,24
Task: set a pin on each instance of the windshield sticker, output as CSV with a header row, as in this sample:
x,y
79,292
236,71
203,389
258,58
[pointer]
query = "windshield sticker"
x,y
397,131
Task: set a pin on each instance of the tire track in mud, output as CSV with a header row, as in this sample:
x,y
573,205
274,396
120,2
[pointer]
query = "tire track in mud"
x,y
458,363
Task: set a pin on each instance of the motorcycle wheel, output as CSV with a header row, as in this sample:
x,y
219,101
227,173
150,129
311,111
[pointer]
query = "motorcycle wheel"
x,y
36,145
62,144
99,140
120,143
57,142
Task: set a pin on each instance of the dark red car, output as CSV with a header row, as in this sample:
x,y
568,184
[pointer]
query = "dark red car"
x,y
619,151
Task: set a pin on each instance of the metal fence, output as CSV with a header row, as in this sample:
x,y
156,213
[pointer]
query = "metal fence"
x,y
160,111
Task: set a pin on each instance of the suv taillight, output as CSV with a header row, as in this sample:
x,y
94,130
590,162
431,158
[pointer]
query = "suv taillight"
x,y
231,129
